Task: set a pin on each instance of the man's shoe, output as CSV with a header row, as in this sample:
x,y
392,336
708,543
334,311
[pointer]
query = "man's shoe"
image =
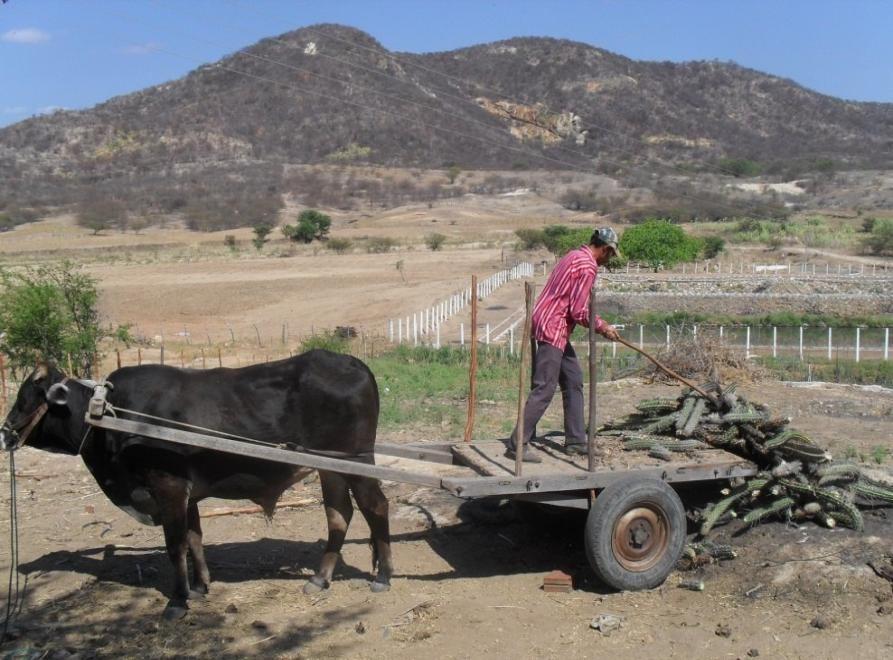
x,y
582,449
528,457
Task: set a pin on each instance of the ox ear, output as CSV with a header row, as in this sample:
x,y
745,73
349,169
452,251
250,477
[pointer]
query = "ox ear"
x,y
41,372
57,394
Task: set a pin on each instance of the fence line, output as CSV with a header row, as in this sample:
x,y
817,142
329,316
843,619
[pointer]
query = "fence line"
x,y
789,269
416,327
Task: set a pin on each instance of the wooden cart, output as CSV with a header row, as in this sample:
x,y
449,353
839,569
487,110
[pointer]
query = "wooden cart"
x,y
636,526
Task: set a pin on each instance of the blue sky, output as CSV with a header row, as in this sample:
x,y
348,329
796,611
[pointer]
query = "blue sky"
x,y
74,54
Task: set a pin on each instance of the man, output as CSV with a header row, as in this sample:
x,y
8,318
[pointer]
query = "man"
x,y
563,304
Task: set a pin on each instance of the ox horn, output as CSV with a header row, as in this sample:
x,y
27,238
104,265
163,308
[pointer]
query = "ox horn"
x,y
57,394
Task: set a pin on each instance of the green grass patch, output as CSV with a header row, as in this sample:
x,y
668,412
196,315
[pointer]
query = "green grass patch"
x,y
865,372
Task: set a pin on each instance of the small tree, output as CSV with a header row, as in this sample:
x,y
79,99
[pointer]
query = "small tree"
x,y
658,242
312,225
435,241
99,214
452,173
48,313
880,241
261,232
713,247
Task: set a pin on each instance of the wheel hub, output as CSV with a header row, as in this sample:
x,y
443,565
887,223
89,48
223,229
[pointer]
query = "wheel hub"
x,y
640,537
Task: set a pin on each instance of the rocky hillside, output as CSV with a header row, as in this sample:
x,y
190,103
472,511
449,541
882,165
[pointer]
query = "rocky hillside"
x,y
331,94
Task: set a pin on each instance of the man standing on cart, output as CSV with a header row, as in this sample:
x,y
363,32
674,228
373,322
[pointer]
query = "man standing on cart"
x,y
562,305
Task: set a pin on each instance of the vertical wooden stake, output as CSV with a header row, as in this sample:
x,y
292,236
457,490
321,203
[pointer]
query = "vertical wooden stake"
x,y
3,378
522,373
219,357
139,357
473,367
593,380
204,366
118,355
162,354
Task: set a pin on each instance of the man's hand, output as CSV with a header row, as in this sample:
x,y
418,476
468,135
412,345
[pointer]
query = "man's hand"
x,y
610,332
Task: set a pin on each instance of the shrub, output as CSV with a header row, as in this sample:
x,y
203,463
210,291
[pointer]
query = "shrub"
x,y
435,241
99,214
530,239
380,244
739,167
579,200
339,245
659,243
713,247
48,313
880,241
312,225
230,241
327,340
260,235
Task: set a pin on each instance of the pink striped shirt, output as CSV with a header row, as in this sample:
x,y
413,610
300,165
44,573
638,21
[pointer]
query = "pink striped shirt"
x,y
564,301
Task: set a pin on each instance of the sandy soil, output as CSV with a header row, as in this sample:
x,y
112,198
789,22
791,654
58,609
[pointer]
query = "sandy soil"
x,y
468,575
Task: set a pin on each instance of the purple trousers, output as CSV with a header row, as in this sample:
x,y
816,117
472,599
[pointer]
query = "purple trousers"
x,y
553,367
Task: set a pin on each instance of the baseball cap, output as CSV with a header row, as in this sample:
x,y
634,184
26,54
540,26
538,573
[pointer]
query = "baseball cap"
x,y
605,236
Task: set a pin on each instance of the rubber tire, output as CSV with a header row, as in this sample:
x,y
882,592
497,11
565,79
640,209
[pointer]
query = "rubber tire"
x,y
609,507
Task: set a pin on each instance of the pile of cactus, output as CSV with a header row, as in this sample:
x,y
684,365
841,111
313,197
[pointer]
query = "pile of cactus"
x,y
798,479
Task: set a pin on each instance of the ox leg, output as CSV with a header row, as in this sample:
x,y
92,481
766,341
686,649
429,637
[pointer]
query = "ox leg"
x,y
374,507
339,511
174,503
201,577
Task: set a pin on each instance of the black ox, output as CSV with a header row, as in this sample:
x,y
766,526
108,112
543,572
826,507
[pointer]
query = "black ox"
x,y
318,400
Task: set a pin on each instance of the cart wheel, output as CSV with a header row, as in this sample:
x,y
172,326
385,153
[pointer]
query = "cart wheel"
x,y
635,533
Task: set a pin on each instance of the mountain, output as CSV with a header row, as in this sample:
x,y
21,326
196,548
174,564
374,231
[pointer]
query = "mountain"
x,y
333,94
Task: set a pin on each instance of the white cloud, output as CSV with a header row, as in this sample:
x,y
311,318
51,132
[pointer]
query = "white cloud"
x,y
142,49
25,36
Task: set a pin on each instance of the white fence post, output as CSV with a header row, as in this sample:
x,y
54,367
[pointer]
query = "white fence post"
x,y
488,335
437,345
400,331
747,344
641,336
668,337
462,334
391,331
774,341
721,329
415,330
858,338
512,340
829,342
886,344
801,343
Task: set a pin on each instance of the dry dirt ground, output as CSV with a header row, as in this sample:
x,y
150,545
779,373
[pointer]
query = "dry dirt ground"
x,y
468,575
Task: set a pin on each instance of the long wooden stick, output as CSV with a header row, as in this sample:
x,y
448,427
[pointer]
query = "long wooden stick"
x,y
593,379
522,385
670,372
473,367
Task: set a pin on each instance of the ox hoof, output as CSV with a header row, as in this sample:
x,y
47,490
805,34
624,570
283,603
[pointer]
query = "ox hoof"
x,y
315,585
174,612
198,593
379,587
